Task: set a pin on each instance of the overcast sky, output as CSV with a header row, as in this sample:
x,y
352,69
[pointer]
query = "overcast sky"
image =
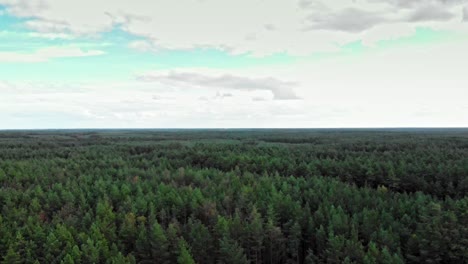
x,y
225,63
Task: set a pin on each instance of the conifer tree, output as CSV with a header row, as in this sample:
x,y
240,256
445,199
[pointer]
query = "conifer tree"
x,y
231,252
11,257
184,254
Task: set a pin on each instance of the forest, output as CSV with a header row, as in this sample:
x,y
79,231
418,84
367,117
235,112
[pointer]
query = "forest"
x,y
234,196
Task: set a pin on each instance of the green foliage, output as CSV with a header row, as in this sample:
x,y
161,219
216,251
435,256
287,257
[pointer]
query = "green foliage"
x,y
231,253
184,254
240,196
11,257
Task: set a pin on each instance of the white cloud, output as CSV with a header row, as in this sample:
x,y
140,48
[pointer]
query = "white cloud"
x,y
130,104
415,86
48,53
387,32
281,90
256,26
142,45
258,99
50,35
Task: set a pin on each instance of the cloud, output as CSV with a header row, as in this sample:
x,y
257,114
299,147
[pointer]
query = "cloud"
x,y
305,3
6,87
51,36
417,3
24,8
431,13
131,104
223,95
281,90
258,99
40,88
46,54
142,46
162,98
47,26
237,27
366,87
465,14
350,20
354,20
270,27
27,36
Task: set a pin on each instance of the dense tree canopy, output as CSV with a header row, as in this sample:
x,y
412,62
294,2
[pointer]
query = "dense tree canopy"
x,y
234,196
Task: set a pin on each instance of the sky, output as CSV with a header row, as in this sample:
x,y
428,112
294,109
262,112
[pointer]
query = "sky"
x,y
233,64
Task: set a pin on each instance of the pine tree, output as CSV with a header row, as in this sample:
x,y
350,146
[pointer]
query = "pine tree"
x,y
128,232
76,254
173,239
231,253
321,240
310,258
388,258
274,243
119,259
90,251
159,244
184,254
256,235
142,247
412,249
68,260
294,242
335,248
201,241
53,248
373,255
11,257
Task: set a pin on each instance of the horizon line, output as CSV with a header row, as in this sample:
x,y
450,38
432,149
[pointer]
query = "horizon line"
x,y
233,128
